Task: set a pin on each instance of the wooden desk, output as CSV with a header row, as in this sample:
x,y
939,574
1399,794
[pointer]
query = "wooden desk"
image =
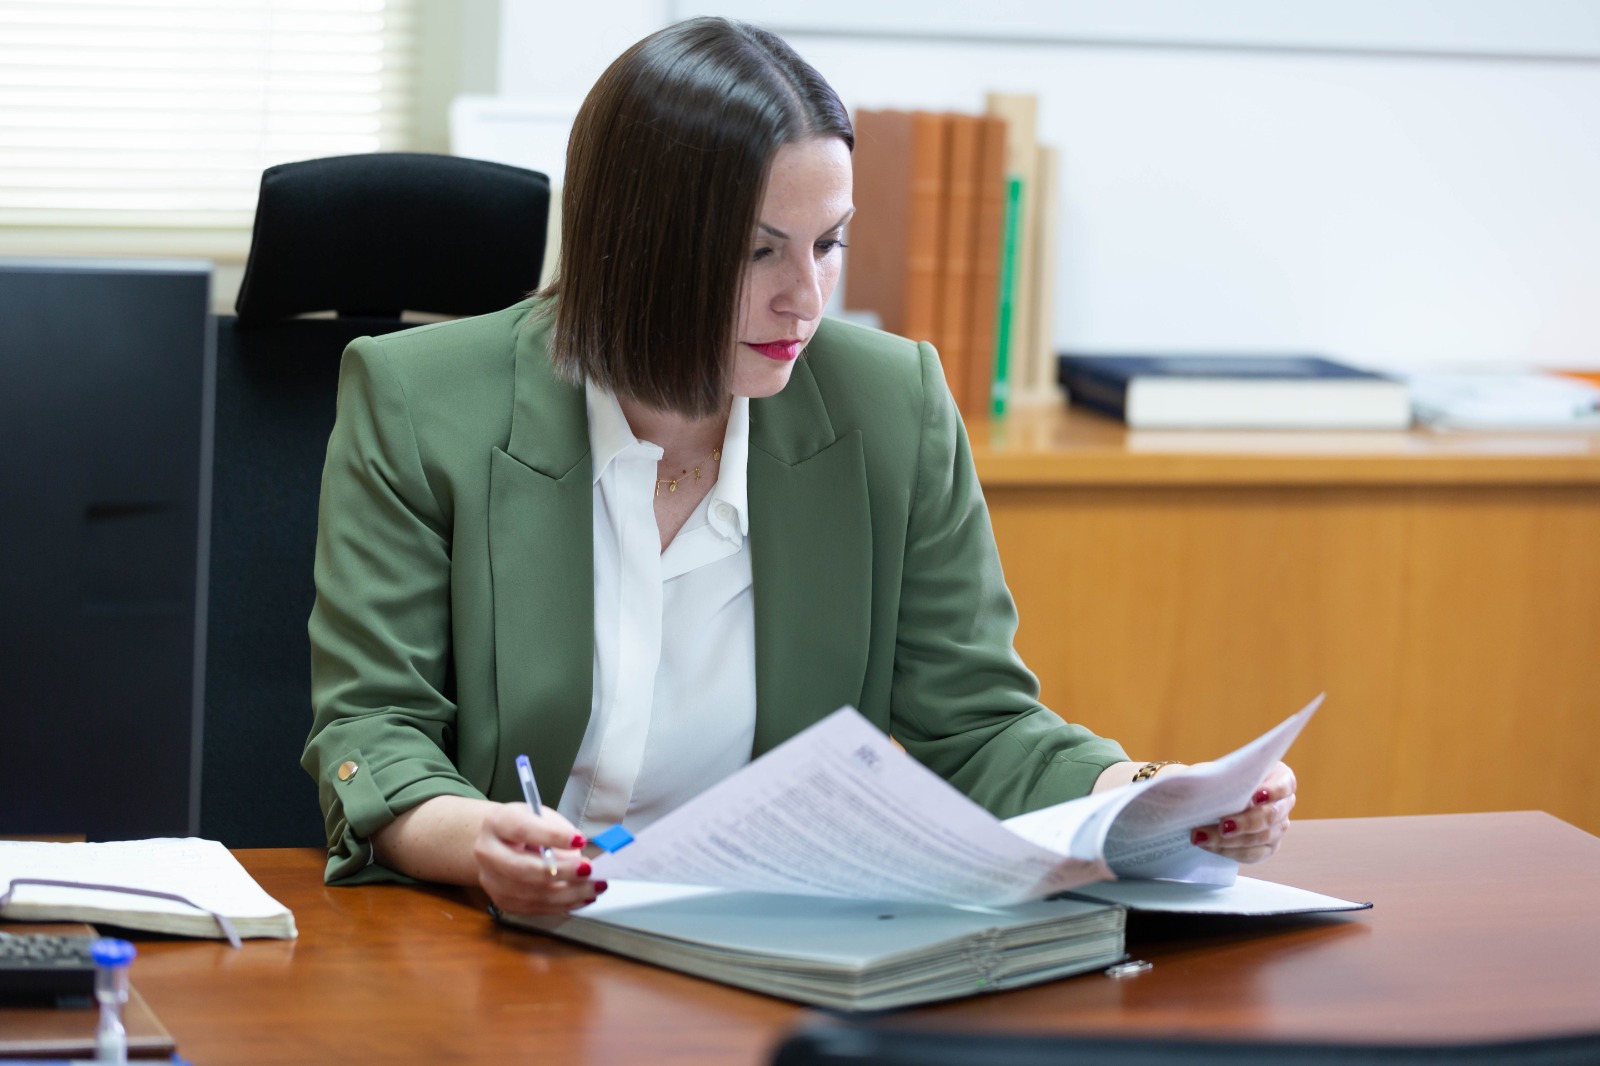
x,y
1486,926
1182,591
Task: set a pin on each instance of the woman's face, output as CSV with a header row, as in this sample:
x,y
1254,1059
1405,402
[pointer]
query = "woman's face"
x,y
794,261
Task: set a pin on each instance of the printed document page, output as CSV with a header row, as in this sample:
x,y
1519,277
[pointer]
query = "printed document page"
x,y
1147,833
840,811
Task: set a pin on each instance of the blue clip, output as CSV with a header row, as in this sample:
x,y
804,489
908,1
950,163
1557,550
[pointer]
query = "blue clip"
x,y
614,839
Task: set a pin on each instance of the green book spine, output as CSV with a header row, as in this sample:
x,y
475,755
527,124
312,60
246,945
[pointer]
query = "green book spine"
x,y
1000,392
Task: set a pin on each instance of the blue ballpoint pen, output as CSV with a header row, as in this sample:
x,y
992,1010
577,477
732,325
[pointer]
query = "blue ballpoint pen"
x,y
530,792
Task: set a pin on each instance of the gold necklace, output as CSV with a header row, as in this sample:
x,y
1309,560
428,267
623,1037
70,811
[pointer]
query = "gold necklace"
x,y
672,483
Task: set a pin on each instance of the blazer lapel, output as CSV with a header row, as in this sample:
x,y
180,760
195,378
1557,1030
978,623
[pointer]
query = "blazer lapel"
x,y
541,557
811,561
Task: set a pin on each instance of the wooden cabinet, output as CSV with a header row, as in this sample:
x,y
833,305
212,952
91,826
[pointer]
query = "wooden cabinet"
x,y
1182,591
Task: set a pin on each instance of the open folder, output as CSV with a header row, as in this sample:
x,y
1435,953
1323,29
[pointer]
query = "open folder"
x,y
932,897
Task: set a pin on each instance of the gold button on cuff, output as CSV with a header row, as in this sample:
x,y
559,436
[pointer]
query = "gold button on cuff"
x,y
347,770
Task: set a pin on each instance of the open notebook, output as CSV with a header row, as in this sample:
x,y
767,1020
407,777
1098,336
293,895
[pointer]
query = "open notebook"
x,y
178,885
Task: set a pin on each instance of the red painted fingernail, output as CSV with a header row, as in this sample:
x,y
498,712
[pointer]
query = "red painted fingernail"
x,y
583,869
1262,796
1229,826
1200,836
599,887
578,841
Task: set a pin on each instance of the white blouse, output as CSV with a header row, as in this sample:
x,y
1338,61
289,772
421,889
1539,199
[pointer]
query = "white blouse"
x,y
674,707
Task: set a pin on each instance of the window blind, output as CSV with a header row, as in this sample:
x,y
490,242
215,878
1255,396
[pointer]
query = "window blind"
x,y
159,115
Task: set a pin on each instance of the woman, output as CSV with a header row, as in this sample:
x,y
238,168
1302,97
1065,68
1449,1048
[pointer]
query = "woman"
x,y
663,516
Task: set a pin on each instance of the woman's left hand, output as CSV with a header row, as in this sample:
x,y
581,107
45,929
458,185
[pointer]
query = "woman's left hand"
x,y
1254,833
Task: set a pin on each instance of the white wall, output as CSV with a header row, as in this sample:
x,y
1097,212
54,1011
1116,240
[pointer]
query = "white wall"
x,y
1374,181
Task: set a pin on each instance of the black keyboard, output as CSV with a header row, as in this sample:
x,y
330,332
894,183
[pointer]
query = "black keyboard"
x,y
39,965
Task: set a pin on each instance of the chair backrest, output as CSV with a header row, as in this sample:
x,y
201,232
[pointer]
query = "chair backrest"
x,y
365,237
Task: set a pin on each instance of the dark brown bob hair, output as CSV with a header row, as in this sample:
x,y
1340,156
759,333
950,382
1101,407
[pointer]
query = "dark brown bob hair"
x,y
666,168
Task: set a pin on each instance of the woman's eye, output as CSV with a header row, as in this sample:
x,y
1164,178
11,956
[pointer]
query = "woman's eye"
x,y
824,247
760,254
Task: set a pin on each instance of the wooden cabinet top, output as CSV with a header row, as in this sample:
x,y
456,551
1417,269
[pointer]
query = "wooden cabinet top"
x,y
1054,446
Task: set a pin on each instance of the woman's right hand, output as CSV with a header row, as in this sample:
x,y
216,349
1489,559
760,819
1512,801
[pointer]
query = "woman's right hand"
x,y
514,873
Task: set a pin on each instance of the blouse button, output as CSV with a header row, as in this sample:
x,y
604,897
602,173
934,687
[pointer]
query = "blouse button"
x,y
725,511
348,769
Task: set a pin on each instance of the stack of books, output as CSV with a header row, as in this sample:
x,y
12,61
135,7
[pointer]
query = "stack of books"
x,y
953,243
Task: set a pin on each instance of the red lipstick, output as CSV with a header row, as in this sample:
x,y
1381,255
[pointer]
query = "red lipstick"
x,y
782,351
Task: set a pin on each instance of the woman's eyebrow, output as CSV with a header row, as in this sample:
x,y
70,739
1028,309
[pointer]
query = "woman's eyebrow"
x,y
782,236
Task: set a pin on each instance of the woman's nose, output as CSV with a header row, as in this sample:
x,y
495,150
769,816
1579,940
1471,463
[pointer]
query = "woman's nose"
x,y
801,294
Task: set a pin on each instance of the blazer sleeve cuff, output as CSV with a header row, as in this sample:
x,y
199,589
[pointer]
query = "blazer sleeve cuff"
x,y
358,804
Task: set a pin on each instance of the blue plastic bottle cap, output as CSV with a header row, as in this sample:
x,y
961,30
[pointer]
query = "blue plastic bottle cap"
x,y
109,951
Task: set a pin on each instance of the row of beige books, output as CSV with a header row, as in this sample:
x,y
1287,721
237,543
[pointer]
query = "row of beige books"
x,y
953,243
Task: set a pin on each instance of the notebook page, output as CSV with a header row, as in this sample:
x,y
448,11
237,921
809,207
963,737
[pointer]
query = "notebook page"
x,y
202,871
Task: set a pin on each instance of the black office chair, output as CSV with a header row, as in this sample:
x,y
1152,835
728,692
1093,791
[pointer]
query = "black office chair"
x,y
366,237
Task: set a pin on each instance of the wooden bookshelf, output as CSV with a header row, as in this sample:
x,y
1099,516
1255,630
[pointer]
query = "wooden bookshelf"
x,y
1181,591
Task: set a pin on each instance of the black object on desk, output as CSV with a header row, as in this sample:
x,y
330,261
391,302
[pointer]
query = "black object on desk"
x,y
36,966
842,1045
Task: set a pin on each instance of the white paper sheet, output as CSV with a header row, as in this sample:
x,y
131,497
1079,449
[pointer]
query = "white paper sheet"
x,y
1146,833
840,811
1247,896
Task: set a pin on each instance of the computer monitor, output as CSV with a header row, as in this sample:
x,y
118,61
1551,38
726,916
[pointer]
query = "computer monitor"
x,y
106,386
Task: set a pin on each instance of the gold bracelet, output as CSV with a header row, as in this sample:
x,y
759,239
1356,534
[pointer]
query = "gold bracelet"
x,y
1148,770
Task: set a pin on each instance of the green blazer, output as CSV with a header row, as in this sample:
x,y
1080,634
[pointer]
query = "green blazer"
x,y
454,618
